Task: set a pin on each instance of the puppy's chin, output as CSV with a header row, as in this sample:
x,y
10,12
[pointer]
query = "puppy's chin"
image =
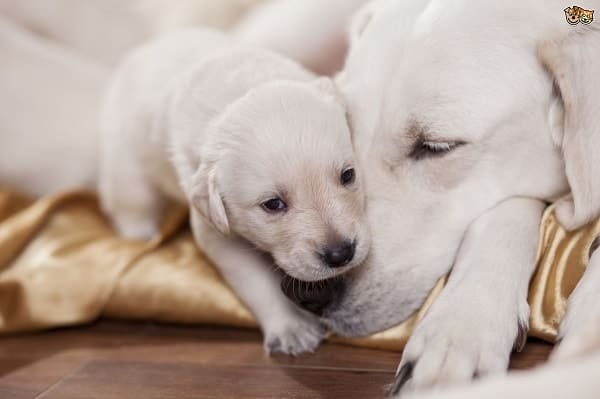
x,y
313,270
310,272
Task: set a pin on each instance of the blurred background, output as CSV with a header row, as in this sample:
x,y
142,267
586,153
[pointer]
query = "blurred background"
x,y
55,57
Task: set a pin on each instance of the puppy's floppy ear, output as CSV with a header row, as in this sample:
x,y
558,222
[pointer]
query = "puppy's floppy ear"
x,y
206,198
574,63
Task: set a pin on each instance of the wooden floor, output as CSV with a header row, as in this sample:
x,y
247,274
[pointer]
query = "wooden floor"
x,y
147,361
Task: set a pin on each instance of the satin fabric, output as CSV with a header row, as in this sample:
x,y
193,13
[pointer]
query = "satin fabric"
x,y
61,264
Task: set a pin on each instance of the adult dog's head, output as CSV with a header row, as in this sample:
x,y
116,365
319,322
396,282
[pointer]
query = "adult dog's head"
x,y
457,106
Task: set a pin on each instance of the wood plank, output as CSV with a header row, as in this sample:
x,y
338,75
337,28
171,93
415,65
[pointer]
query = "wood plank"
x,y
534,353
63,361
109,379
30,381
209,344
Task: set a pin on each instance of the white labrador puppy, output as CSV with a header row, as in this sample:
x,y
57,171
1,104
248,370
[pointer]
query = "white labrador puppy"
x,y
261,151
466,116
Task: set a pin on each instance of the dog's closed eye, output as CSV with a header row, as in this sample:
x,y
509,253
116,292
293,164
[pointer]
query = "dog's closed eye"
x,y
424,148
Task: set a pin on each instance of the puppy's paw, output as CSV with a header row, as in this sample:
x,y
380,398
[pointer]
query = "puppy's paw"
x,y
294,334
451,347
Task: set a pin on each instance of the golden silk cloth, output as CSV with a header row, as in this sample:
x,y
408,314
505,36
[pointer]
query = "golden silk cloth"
x,y
61,264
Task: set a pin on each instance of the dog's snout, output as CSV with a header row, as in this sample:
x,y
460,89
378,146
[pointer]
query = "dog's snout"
x,y
312,296
339,254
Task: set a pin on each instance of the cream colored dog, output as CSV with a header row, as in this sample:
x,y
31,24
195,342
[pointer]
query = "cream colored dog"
x,y
463,131
261,151
572,371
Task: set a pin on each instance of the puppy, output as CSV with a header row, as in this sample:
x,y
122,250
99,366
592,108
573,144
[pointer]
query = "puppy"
x,y
261,151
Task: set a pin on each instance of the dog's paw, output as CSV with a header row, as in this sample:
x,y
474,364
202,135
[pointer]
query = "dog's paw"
x,y
294,334
450,347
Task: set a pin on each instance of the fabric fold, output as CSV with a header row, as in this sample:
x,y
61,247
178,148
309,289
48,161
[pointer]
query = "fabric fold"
x,y
61,264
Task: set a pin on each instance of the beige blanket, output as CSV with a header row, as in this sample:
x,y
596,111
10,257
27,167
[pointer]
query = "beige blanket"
x,y
61,264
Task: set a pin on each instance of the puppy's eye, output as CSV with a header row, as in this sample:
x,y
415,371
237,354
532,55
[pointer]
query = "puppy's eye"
x,y
347,177
429,149
274,205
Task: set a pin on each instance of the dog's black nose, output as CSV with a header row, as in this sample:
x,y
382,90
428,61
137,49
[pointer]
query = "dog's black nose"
x,y
339,254
313,296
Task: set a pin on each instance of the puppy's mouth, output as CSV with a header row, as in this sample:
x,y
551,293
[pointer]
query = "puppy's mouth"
x,y
316,271
313,296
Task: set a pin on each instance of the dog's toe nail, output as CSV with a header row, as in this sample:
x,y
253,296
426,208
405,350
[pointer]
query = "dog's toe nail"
x,y
403,374
274,345
521,339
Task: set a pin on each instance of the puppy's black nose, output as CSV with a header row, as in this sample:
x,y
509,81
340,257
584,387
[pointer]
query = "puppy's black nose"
x,y
313,296
339,254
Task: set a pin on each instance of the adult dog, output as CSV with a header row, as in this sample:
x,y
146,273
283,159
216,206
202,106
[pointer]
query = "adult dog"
x,y
466,117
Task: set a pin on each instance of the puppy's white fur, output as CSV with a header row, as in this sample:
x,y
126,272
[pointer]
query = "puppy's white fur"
x,y
191,116
476,80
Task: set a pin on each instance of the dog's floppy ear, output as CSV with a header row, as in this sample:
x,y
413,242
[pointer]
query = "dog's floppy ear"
x,y
206,198
574,63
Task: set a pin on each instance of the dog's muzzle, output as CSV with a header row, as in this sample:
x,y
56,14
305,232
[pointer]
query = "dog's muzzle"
x,y
314,296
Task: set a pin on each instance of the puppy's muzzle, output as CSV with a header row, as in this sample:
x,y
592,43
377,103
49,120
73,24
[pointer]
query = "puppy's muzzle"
x,y
312,296
339,254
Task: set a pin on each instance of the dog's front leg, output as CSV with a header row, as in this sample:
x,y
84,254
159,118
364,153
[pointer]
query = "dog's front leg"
x,y
286,328
482,313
